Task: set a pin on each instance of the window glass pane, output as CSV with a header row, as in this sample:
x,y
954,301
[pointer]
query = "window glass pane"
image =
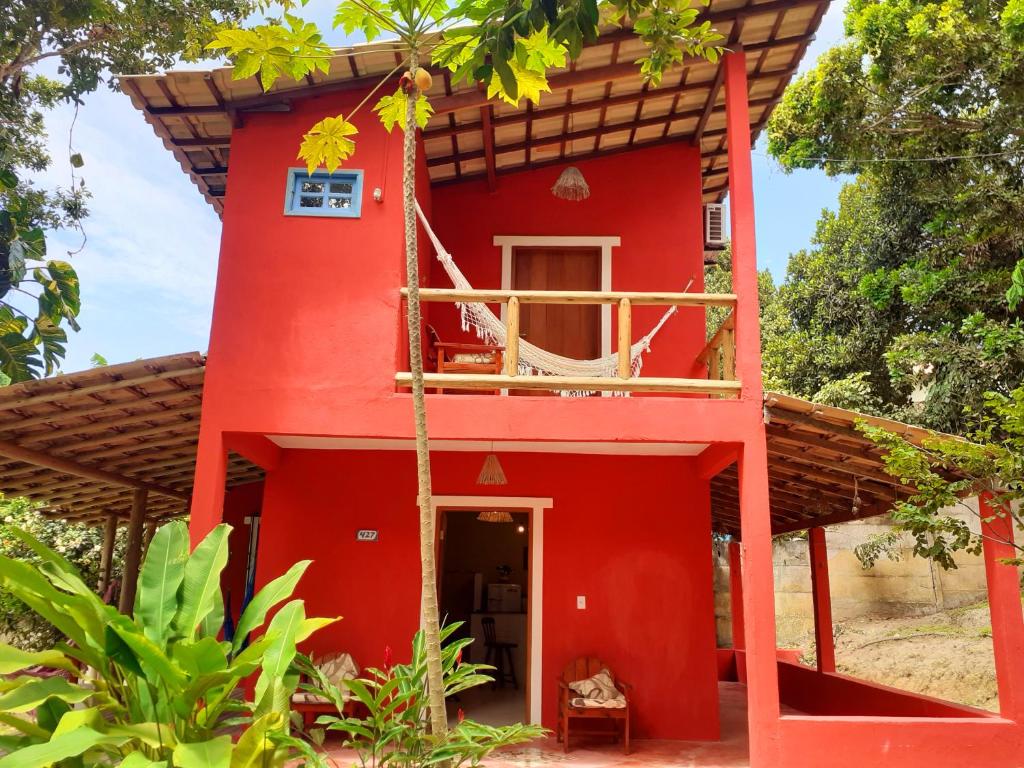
x,y
339,202
341,187
310,202
312,186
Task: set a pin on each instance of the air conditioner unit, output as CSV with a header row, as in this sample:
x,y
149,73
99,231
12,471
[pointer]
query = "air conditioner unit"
x,y
714,225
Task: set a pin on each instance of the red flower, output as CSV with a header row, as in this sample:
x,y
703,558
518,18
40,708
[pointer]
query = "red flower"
x,y
462,715
458,657
388,657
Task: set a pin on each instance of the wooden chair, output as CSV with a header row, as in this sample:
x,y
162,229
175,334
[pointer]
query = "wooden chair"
x,y
498,654
581,669
453,357
310,705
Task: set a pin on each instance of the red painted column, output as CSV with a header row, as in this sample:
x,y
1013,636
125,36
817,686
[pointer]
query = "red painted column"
x,y
755,522
736,594
1004,603
741,219
208,489
823,639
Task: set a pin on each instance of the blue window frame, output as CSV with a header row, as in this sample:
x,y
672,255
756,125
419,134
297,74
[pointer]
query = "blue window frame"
x,y
324,194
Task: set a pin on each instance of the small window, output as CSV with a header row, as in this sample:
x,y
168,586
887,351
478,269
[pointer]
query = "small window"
x,y
324,194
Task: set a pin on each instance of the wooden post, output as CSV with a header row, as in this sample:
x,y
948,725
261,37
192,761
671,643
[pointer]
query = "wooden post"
x,y
729,354
107,556
625,339
822,597
512,337
1004,603
133,552
736,594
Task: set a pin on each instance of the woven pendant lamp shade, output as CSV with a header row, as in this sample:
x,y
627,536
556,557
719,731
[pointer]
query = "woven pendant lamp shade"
x,y
491,472
571,185
495,516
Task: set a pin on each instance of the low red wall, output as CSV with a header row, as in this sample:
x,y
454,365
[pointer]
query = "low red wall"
x,y
630,533
818,693
862,742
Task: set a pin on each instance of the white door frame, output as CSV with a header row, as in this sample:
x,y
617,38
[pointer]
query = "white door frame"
x,y
536,505
605,243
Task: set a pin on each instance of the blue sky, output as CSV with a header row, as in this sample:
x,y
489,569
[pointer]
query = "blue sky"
x,y
149,266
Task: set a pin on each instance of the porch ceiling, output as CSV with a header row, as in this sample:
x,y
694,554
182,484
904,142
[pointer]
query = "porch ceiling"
x,y
818,463
597,106
83,442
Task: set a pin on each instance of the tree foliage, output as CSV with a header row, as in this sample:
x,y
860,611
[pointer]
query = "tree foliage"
x,y
946,470
55,52
910,291
81,545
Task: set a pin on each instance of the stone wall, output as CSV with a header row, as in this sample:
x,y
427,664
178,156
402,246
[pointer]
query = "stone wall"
x,y
909,586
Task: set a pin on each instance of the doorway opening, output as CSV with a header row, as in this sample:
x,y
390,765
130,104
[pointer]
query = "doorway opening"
x,y
485,562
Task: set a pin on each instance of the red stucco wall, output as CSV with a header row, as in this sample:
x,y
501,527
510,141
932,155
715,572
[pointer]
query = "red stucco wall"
x,y
650,198
635,543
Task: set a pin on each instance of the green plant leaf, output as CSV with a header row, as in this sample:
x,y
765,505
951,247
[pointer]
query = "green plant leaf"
x,y
327,143
163,570
271,686
33,691
139,760
59,748
200,588
214,753
254,744
15,660
255,612
392,110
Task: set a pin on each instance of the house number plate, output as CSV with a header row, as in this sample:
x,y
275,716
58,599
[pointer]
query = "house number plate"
x,y
367,534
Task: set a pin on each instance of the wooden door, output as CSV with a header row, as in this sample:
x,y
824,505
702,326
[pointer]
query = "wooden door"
x,y
571,330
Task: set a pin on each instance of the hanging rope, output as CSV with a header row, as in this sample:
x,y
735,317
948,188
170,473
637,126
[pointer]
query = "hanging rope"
x,y
533,360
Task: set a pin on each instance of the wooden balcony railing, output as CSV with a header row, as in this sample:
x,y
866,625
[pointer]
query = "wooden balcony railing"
x,y
720,352
723,386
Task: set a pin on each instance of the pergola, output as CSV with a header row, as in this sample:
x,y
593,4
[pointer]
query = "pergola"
x,y
597,106
109,445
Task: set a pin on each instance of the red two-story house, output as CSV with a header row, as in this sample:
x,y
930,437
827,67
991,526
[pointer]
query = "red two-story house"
x,y
615,495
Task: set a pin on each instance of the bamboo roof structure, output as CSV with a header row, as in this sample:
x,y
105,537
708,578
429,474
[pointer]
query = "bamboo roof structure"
x,y
82,443
821,469
598,105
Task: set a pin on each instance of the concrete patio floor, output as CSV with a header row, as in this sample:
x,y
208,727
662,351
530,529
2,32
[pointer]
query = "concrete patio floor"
x,y
730,752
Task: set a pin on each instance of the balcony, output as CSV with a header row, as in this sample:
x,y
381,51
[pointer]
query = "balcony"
x,y
718,356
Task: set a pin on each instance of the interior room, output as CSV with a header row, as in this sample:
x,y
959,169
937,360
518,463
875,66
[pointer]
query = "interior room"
x,y
485,566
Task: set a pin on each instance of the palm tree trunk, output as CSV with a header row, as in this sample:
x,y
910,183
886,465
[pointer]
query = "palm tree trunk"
x,y
428,586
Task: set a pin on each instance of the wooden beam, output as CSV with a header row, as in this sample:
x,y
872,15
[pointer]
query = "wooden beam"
x,y
59,416
822,443
201,142
838,466
519,118
94,427
581,383
488,132
95,389
833,519
40,459
489,296
133,552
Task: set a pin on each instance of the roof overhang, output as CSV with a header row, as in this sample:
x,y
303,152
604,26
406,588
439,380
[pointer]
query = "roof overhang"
x,y
599,105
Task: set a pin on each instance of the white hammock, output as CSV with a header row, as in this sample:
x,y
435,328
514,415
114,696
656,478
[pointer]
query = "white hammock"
x,y
534,361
